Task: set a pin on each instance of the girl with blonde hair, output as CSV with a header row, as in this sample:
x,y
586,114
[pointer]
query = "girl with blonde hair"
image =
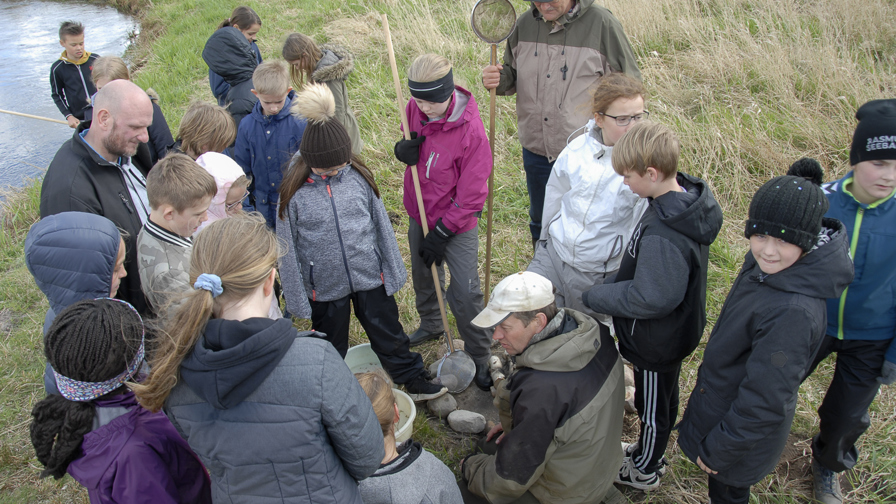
x,y
408,474
274,414
453,160
329,64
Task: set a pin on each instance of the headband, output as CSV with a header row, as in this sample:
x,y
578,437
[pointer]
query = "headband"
x,y
209,282
81,391
437,91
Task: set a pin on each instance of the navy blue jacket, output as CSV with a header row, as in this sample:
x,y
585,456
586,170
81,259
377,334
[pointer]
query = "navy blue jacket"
x,y
219,86
264,147
159,134
770,328
230,55
869,305
71,256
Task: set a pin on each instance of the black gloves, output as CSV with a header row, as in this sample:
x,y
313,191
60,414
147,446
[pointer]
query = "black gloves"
x,y
408,151
433,249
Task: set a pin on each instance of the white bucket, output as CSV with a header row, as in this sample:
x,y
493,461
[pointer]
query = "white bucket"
x,y
407,412
361,359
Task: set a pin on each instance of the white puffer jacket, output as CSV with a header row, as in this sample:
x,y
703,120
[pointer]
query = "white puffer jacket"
x,y
588,211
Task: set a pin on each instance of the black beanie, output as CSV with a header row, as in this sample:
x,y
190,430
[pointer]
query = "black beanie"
x,y
325,143
875,136
790,207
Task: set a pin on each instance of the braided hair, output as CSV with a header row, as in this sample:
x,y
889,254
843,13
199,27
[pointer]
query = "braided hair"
x,y
91,341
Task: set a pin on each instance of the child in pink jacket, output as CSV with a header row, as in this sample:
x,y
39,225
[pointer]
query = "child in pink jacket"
x,y
453,159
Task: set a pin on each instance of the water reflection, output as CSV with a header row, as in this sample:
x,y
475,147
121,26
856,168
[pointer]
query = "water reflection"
x,y
27,145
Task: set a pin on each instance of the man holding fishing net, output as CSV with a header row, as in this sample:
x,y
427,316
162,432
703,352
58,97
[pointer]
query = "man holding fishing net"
x,y
555,55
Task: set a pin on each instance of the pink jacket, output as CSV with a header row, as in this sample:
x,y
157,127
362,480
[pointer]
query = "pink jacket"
x,y
455,162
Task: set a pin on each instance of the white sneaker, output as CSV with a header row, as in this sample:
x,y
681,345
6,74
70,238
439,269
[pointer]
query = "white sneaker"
x,y
630,475
629,448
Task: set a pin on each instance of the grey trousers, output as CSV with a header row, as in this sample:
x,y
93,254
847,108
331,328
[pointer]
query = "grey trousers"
x,y
569,282
463,295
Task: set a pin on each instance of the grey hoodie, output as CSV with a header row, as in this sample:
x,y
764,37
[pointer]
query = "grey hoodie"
x,y
275,416
414,477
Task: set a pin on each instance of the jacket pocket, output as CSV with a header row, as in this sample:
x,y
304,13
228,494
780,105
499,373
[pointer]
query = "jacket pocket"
x,y
705,410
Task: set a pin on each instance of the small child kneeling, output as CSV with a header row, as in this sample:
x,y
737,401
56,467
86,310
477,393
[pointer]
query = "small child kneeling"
x,y
95,431
738,416
409,474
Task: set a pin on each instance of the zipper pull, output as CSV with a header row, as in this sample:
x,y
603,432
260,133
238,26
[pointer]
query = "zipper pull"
x,y
127,204
429,163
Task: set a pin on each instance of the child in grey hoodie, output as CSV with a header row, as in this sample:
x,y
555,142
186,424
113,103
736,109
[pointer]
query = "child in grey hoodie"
x,y
408,474
341,246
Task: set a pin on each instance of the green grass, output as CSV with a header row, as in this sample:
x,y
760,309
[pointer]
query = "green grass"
x,y
749,86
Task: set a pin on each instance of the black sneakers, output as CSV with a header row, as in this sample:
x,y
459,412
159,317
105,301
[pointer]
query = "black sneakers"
x,y
421,390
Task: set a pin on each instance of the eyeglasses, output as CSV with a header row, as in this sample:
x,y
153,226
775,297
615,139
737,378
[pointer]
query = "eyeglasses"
x,y
231,206
626,120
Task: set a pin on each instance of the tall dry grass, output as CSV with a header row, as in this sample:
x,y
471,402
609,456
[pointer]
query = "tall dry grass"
x,y
749,86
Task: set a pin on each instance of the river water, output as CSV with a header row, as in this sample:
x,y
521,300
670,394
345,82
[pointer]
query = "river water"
x,y
28,145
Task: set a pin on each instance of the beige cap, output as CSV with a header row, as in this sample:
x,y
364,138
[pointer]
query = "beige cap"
x,y
520,292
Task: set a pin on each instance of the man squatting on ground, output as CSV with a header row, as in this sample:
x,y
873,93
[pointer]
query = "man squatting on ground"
x,y
561,410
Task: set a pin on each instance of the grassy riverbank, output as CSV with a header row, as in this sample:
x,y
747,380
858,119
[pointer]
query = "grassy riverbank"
x,y
749,85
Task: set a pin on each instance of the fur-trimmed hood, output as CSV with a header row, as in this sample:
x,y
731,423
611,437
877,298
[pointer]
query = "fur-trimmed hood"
x,y
336,63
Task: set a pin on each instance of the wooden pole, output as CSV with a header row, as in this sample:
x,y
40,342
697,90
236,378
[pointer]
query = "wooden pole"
x,y
416,177
491,184
29,116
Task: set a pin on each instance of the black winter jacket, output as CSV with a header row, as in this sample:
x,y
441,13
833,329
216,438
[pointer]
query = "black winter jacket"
x,y
658,298
770,328
80,180
230,55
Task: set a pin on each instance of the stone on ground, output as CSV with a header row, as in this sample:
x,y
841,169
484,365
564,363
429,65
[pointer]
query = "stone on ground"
x,y
467,422
442,406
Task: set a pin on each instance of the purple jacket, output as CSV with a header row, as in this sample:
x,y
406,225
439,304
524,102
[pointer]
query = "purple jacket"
x,y
134,456
455,162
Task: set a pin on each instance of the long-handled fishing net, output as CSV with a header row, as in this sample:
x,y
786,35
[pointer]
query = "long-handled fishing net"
x,y
492,21
456,370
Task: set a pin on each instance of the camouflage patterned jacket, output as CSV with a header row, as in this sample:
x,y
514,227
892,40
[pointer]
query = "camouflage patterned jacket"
x,y
164,260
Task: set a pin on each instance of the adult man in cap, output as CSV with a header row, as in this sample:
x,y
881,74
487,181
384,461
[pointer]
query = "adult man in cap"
x,y
561,409
102,170
556,54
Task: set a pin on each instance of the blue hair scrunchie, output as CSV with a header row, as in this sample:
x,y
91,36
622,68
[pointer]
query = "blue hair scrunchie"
x,y
209,282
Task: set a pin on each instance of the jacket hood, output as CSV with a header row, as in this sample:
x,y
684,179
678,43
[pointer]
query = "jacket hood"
x,y
822,273
335,64
71,256
572,348
694,213
84,58
225,172
230,55
408,452
461,110
233,357
259,117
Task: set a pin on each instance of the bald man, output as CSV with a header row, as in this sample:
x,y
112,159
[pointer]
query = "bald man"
x,y
102,170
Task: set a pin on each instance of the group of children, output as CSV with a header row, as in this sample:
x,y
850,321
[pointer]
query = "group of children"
x,y
269,411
